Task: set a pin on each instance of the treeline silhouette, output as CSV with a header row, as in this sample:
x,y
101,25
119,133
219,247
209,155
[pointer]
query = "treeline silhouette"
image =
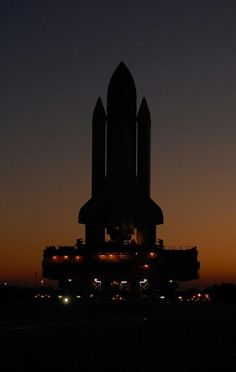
x,y
224,292
19,293
219,293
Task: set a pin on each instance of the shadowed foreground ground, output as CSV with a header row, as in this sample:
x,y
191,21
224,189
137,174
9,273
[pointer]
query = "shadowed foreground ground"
x,y
117,337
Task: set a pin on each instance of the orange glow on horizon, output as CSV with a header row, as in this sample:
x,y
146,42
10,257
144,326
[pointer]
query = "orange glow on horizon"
x,y
217,258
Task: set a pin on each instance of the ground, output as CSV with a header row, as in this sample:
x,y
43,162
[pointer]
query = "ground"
x,y
117,337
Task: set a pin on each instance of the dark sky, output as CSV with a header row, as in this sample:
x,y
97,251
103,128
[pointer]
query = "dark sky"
x,y
56,58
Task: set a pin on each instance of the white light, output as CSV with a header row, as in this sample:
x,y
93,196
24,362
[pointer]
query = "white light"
x,y
69,280
124,282
151,254
59,296
162,297
66,300
143,281
78,296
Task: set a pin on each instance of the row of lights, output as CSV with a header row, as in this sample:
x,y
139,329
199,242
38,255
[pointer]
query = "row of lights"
x,y
55,258
42,296
101,256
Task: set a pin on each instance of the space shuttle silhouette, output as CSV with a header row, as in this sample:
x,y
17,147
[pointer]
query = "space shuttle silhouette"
x,y
120,203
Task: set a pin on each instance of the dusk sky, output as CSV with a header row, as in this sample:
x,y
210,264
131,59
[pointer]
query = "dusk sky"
x,y
56,58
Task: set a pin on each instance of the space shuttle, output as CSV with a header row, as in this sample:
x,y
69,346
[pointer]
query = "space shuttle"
x,y
120,204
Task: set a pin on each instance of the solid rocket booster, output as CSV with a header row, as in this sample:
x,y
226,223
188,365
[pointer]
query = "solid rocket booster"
x,y
120,200
98,147
144,148
145,234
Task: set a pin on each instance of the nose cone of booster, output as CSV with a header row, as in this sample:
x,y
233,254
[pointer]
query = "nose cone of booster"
x,y
144,115
99,111
121,95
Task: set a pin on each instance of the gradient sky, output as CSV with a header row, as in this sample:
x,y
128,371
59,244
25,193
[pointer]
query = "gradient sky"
x,y
56,58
